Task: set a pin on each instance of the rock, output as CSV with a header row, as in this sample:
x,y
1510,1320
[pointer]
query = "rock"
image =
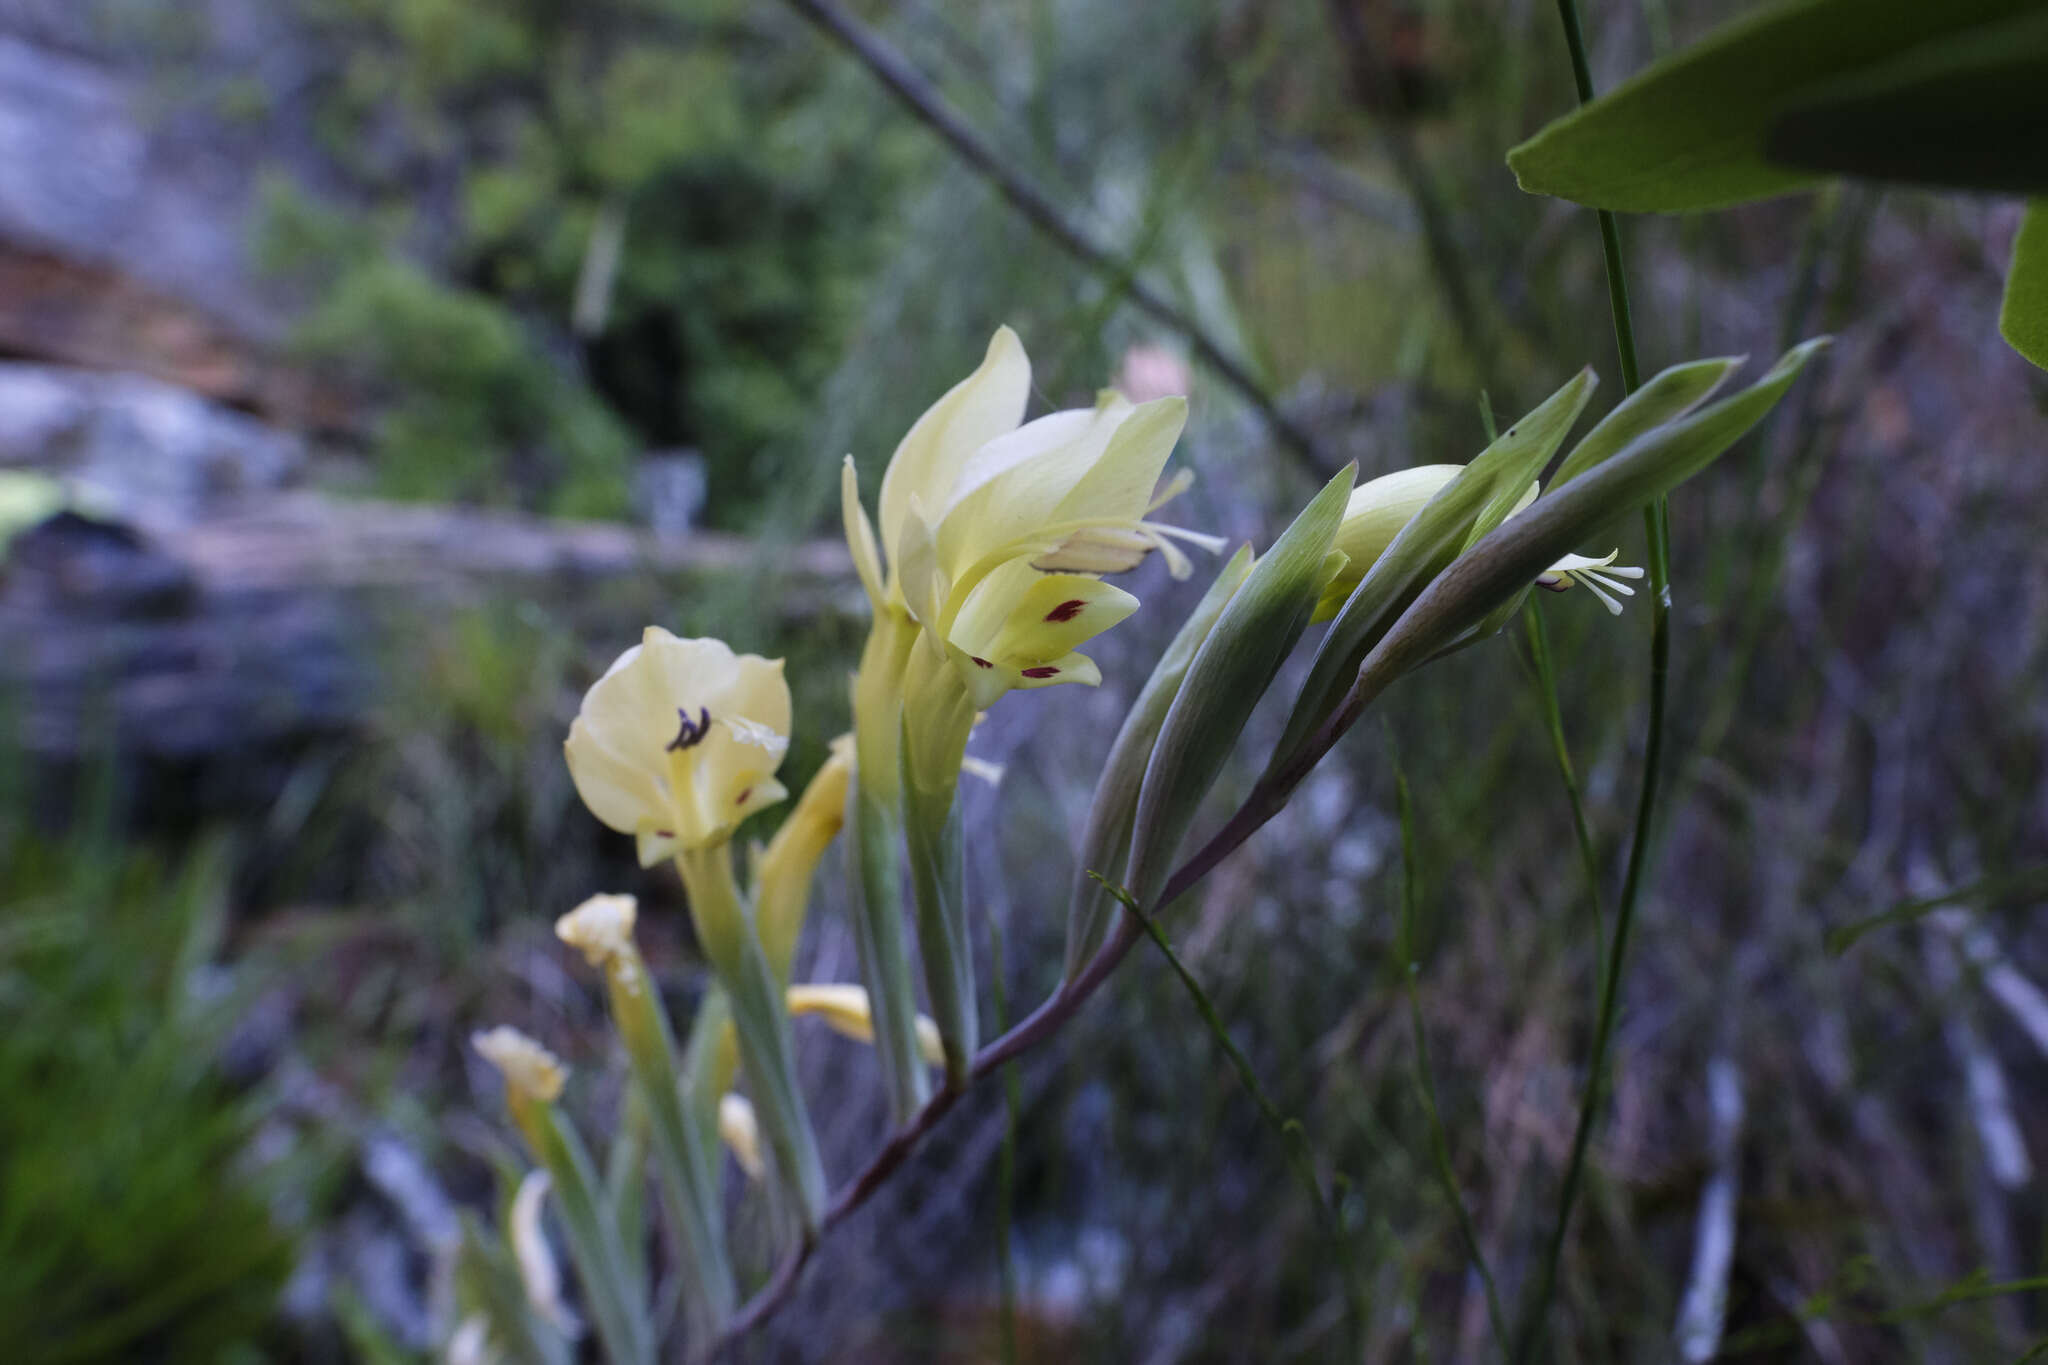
x,y
131,445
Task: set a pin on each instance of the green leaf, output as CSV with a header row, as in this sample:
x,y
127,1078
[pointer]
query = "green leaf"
x,y
1106,839
1967,113
2023,320
1690,132
1230,672
1667,397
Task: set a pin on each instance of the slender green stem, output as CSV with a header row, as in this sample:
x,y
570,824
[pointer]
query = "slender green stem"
x,y
1657,530
874,832
1425,1074
1553,716
1293,1137
1006,1163
760,1019
614,1298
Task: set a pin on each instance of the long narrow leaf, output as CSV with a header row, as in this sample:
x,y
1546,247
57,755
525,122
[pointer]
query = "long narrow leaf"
x,y
1106,838
1229,674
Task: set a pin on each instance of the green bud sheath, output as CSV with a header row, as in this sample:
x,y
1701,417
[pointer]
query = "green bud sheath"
x,y
1106,839
1228,675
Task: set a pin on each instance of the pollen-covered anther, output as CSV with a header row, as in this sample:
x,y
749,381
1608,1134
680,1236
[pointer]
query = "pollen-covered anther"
x,y
1066,611
693,732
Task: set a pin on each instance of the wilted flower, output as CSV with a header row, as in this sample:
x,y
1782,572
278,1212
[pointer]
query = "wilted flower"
x,y
531,1071
845,1011
739,1130
679,741
538,1274
601,928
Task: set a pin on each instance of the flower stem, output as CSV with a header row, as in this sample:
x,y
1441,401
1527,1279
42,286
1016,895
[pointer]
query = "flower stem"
x,y
937,714
1657,530
874,826
761,1021
613,1296
687,1168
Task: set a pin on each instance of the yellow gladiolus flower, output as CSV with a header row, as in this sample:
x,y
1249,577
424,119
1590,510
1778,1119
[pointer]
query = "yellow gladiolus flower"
x,y
679,741
994,532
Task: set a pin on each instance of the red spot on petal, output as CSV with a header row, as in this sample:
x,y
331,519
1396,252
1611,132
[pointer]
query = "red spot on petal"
x,y
1043,671
664,834
980,662
1066,611
744,795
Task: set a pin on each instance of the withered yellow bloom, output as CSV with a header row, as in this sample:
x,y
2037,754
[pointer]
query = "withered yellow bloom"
x,y
742,1133
994,532
844,1009
601,928
679,741
531,1071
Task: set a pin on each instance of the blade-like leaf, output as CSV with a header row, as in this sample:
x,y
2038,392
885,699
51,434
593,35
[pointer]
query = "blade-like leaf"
x,y
2023,320
1666,398
1106,839
1484,493
1229,674
1689,132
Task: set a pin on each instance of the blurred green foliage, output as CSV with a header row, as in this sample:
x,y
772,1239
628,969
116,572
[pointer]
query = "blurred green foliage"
x,y
478,145
137,1221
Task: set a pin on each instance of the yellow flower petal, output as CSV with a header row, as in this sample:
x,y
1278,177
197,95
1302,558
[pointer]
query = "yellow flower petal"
x,y
860,535
974,412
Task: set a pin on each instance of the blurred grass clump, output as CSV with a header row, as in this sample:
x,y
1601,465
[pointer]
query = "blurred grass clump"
x,y
138,1220
478,159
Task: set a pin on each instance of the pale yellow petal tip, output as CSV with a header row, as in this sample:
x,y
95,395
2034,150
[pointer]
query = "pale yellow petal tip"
x,y
529,1069
844,1009
740,1132
538,1273
601,928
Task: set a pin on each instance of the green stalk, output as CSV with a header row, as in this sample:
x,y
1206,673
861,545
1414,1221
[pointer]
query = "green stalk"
x,y
710,1062
1657,530
614,1298
761,1021
1553,716
687,1168
1425,1074
937,716
874,828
